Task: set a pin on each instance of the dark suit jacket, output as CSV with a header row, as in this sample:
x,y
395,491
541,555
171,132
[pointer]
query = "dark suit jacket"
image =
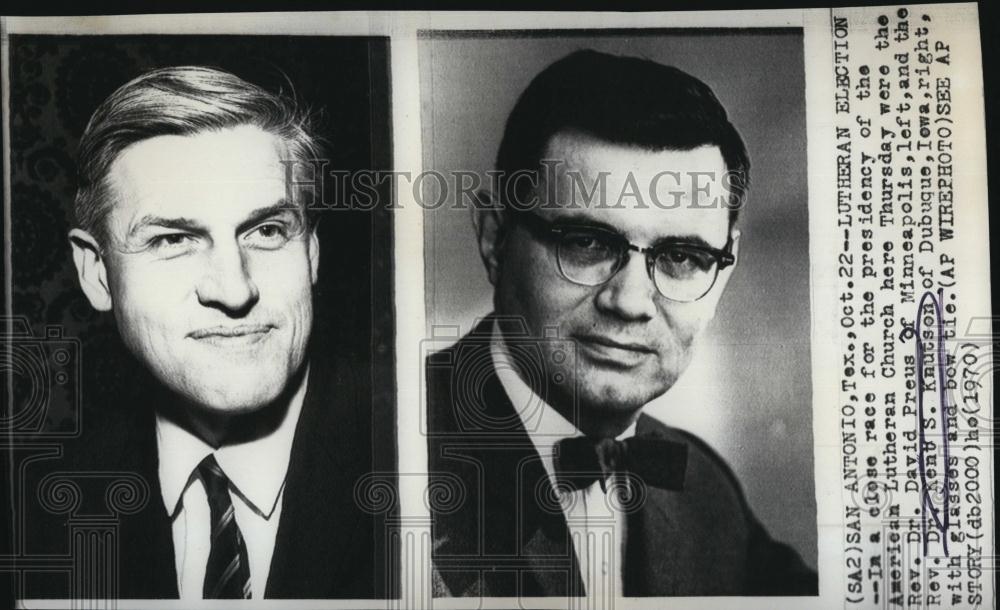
x,y
325,545
499,531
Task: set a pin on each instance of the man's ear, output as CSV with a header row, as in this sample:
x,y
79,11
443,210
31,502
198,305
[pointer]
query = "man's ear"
x,y
724,274
710,302
91,269
314,252
488,221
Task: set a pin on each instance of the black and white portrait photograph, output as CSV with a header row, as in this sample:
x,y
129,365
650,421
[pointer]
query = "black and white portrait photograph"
x,y
204,366
617,293
565,307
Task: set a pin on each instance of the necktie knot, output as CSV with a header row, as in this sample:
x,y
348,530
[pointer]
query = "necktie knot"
x,y
658,462
212,477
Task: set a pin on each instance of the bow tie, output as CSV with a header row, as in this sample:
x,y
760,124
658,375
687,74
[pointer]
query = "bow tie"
x,y
657,462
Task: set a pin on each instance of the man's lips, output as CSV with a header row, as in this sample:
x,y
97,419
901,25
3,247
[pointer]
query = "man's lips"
x,y
622,353
231,335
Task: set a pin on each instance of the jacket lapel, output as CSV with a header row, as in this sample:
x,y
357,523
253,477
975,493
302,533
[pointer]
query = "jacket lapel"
x,y
145,546
517,519
650,552
146,562
555,571
658,550
324,546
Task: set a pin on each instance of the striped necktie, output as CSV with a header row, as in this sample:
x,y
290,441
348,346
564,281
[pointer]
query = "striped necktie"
x,y
227,575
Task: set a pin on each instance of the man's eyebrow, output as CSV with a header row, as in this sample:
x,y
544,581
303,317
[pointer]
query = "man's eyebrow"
x,y
191,225
582,220
696,240
281,207
180,223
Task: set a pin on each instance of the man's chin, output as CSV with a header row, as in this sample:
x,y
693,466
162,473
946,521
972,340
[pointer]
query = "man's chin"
x,y
231,386
222,397
607,411
223,402
617,396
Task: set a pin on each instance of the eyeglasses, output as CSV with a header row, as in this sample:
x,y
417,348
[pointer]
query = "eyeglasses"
x,y
590,256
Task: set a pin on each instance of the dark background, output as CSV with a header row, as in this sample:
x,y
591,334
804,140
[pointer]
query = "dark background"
x,y
56,82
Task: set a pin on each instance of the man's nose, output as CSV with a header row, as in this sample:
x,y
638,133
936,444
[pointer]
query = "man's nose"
x,y
226,283
630,294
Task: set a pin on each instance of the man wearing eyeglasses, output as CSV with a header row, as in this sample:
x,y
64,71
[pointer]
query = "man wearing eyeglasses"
x,y
609,245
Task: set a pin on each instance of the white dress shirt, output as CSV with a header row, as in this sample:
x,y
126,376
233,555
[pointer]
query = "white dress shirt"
x,y
595,524
256,471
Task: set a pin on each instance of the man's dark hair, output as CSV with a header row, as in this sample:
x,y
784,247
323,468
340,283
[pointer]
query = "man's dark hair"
x,y
621,100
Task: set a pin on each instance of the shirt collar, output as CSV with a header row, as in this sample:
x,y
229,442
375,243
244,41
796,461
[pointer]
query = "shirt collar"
x,y
545,426
256,468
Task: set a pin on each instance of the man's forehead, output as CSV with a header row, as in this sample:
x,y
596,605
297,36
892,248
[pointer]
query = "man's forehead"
x,y
207,173
581,152
642,193
218,155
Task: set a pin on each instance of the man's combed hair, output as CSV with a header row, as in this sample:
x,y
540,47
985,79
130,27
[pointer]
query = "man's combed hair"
x,y
182,100
622,100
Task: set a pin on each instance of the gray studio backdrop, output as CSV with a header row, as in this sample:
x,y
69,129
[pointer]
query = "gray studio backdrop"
x,y
748,390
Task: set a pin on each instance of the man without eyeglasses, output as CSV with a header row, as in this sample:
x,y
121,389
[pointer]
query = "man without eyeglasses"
x,y
188,232
606,268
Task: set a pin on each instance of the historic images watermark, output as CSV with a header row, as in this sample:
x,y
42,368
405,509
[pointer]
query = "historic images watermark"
x,y
324,188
